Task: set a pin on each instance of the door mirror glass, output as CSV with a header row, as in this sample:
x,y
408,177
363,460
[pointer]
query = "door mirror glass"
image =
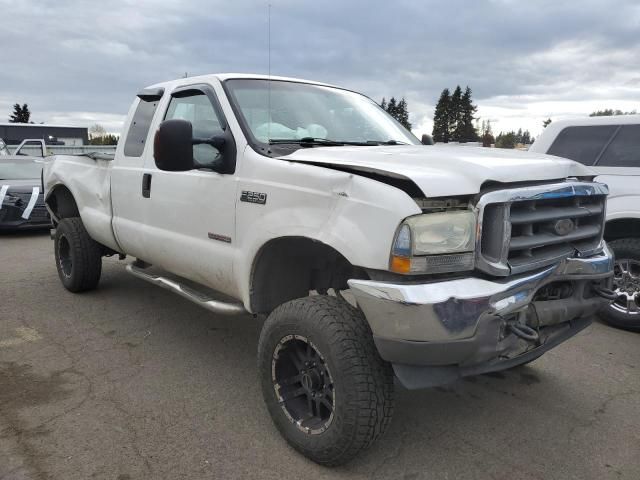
x,y
173,146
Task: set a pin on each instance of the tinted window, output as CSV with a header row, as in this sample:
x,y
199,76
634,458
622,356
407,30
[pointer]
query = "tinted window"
x,y
197,109
582,144
139,129
624,150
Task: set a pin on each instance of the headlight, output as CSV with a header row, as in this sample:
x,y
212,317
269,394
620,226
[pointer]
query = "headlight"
x,y
435,243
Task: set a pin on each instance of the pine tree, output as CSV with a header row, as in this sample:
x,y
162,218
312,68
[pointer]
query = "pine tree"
x,y
392,107
467,132
20,114
442,118
456,125
403,114
546,123
383,104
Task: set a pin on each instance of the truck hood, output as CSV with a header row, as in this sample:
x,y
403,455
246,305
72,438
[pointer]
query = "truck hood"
x,y
443,170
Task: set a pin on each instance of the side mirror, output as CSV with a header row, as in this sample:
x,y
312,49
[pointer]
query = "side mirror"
x,y
173,146
427,139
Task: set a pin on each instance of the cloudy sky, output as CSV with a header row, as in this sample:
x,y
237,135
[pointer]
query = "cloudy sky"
x,y
81,62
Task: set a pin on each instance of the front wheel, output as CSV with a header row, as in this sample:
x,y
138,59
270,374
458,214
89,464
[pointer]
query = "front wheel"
x,y
624,311
78,256
328,391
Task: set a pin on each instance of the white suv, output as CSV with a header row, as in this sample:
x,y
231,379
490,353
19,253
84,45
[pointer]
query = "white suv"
x,y
611,146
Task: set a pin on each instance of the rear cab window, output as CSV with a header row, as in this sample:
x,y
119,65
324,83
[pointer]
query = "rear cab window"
x,y
139,128
582,144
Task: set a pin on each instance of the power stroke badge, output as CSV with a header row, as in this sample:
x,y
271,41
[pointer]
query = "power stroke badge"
x,y
253,197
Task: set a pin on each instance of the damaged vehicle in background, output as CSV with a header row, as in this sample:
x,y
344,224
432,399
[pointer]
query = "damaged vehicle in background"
x,y
248,194
21,197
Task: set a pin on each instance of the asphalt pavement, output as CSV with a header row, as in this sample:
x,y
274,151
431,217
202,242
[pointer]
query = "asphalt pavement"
x,y
133,382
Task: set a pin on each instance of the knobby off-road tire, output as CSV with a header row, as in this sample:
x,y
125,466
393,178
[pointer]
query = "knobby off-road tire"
x,y
78,256
627,256
328,341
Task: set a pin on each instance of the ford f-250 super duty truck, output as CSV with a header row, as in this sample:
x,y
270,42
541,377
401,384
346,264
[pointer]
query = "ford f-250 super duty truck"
x,y
371,256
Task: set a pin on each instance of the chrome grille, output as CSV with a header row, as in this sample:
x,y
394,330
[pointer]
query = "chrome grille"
x,y
532,227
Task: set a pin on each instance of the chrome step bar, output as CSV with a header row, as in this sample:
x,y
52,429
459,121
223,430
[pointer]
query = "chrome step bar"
x,y
216,306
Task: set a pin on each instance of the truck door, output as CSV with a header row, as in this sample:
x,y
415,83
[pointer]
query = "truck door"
x,y
190,216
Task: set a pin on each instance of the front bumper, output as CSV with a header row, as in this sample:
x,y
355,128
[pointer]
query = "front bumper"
x,y
461,327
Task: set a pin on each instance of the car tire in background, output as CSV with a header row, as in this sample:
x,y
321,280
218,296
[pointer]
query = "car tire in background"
x,y
78,256
328,391
624,312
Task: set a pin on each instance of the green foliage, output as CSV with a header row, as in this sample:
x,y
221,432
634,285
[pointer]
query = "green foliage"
x,y
99,136
21,114
609,112
442,118
454,117
512,139
506,140
398,110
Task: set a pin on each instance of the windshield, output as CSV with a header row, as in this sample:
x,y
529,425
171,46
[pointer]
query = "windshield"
x,y
20,170
299,111
4,151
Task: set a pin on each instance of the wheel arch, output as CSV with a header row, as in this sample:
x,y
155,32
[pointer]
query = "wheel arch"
x,y
618,228
61,203
289,267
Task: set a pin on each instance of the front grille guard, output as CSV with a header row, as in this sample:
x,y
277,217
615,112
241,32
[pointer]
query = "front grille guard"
x,y
498,264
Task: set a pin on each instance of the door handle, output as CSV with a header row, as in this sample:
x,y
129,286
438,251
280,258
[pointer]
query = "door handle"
x,y
146,185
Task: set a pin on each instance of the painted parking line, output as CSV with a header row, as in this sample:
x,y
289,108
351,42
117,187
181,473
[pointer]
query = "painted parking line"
x,y
23,335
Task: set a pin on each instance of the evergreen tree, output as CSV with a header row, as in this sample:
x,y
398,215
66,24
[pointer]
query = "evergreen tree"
x,y
392,107
403,114
466,130
546,123
455,118
21,114
442,118
397,110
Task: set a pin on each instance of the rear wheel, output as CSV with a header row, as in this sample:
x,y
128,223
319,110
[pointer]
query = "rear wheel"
x,y
78,256
624,311
328,391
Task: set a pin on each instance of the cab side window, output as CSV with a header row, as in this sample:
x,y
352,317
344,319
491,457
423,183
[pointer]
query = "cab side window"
x,y
582,144
624,150
196,108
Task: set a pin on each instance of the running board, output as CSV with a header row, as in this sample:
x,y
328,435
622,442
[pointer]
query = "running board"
x,y
216,306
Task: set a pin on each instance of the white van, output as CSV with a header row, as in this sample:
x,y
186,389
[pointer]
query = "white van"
x,y
611,146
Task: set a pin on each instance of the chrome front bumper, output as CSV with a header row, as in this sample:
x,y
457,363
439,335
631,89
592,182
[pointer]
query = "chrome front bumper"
x,y
461,322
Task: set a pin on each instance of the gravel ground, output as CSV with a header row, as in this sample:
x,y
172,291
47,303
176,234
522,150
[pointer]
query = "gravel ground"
x,y
133,382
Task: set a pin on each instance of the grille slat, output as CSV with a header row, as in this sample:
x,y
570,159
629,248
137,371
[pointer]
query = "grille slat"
x,y
552,213
543,239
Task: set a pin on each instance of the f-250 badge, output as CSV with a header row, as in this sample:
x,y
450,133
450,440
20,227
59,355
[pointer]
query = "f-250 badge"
x,y
253,197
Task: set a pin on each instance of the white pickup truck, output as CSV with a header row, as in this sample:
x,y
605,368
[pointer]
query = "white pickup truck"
x,y
371,255
610,146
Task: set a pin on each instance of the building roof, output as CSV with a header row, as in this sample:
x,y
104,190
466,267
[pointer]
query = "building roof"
x,y
41,125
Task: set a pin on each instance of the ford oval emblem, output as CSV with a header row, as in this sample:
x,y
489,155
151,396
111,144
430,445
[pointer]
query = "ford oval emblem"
x,y
564,227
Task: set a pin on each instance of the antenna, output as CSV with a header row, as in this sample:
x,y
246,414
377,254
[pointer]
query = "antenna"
x,y
269,80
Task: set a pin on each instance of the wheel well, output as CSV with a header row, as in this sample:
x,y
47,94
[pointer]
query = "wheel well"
x,y
622,228
290,267
62,204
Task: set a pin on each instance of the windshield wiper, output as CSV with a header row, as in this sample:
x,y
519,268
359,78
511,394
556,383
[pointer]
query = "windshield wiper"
x,y
305,141
387,142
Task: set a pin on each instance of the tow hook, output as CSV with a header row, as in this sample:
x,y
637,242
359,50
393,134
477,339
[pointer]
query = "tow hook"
x,y
523,331
605,292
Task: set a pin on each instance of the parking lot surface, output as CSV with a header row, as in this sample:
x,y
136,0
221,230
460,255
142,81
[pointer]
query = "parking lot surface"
x,y
133,382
